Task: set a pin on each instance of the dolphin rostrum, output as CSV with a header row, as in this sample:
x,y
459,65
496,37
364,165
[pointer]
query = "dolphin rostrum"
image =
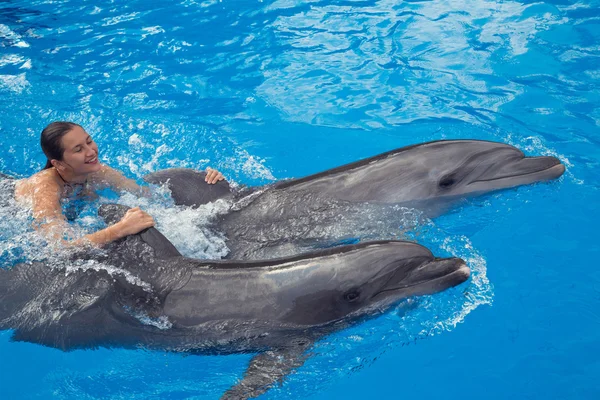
x,y
142,293
430,177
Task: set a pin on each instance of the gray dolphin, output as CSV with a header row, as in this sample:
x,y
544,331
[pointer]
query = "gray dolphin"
x,y
298,214
153,297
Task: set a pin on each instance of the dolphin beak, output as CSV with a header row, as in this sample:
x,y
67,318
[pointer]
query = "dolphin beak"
x,y
549,167
438,275
522,171
429,278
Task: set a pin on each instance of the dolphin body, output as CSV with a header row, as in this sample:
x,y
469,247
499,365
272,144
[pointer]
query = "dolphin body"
x,y
291,216
153,297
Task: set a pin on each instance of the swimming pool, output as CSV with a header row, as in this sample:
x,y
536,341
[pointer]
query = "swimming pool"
x,y
277,89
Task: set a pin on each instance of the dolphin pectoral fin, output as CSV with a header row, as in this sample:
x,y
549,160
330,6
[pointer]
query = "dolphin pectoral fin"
x,y
188,187
268,368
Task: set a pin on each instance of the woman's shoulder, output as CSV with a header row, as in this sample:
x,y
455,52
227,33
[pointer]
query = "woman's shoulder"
x,y
45,180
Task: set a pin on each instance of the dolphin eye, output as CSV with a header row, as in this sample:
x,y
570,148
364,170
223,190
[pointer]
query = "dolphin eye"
x,y
352,296
446,182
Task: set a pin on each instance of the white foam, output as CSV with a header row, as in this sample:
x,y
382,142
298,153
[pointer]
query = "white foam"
x,y
136,141
251,166
535,146
84,265
151,30
189,229
161,322
26,64
152,165
10,59
255,168
480,291
14,83
120,18
12,37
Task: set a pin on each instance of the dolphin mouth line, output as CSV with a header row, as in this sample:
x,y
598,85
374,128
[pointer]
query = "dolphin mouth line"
x,y
462,269
558,166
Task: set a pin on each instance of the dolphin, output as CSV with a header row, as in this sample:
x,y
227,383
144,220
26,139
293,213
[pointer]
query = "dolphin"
x,y
293,215
142,293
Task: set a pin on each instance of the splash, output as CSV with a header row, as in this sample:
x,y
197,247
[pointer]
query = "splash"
x,y
84,265
161,322
411,321
189,229
536,145
10,38
14,83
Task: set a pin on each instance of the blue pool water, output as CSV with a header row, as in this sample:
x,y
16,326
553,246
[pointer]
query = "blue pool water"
x,y
266,90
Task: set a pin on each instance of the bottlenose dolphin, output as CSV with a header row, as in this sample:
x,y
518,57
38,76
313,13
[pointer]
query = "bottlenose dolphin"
x,y
150,296
430,177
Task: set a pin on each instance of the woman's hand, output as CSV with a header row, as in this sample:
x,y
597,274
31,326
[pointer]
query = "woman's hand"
x,y
213,176
134,221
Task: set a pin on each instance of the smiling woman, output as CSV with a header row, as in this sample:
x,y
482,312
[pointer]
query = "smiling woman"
x,y
73,170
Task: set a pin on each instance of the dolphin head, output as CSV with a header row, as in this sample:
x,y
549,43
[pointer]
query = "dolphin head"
x,y
371,277
436,172
472,167
463,168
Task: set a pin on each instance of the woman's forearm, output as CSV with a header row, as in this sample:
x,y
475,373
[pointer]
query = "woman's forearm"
x,y
59,233
117,181
101,237
134,221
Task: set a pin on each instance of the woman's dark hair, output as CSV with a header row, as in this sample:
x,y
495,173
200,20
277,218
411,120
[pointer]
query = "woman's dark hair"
x,y
51,138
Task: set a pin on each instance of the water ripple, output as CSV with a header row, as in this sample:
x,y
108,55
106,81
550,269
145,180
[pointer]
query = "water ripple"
x,y
264,90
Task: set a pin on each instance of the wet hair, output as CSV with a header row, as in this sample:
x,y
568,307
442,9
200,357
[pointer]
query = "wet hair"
x,y
51,137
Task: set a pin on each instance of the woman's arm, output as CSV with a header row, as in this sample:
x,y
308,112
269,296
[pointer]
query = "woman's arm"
x,y
51,222
114,179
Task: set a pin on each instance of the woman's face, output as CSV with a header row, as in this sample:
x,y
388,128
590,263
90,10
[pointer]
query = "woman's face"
x,y
80,152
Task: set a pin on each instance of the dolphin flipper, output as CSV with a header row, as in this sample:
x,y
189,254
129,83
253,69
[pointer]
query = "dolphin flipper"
x,y
268,368
188,187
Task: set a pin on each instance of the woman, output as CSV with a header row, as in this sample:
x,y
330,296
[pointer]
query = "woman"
x,y
73,171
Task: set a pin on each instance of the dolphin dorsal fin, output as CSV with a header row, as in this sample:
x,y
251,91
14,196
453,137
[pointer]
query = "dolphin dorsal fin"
x,y
163,248
188,187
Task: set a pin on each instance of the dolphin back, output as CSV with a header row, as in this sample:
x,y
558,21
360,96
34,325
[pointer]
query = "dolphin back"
x,y
70,308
